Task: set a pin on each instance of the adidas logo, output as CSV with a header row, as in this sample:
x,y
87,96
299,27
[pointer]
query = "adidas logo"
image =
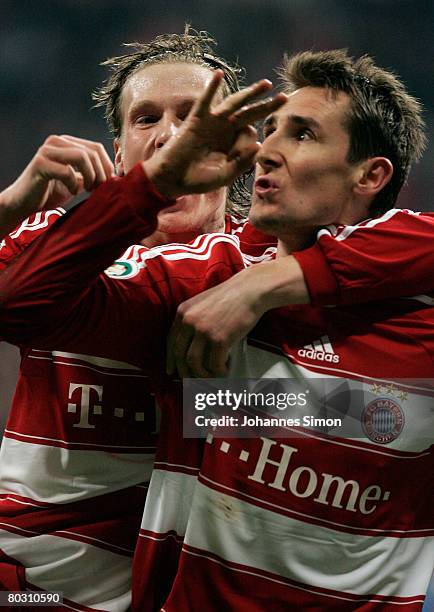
x,y
321,350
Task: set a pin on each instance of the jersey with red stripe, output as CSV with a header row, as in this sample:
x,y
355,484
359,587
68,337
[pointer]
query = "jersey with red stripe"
x,y
315,520
80,439
373,260
178,460
79,443
17,241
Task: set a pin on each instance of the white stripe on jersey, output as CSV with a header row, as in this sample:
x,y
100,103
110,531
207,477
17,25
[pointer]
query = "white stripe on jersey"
x,y
78,365
308,549
268,254
122,368
40,221
101,361
333,230
59,442
199,249
110,573
424,299
237,225
163,510
63,475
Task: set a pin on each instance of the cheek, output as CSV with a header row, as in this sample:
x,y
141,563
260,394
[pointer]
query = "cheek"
x,y
321,177
135,147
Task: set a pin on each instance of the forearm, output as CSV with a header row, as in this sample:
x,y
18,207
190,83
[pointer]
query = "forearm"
x,y
13,209
276,283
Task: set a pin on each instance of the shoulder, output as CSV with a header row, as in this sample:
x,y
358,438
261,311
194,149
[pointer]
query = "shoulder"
x,y
394,222
27,231
179,260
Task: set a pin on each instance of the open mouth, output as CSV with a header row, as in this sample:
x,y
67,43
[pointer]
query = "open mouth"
x,y
265,185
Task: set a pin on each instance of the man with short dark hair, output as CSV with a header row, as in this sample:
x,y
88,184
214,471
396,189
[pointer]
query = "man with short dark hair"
x,y
316,520
383,122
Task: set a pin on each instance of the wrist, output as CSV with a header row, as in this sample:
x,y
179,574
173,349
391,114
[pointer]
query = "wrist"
x,y
277,283
163,180
13,207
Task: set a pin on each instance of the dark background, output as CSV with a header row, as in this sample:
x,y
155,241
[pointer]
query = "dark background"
x,y
50,52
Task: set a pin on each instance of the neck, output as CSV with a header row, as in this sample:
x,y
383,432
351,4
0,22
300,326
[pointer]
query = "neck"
x,y
290,243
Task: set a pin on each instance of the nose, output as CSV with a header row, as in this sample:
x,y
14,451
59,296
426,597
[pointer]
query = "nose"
x,y
168,127
268,156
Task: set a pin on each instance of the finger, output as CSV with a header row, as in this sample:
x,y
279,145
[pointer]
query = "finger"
x,y
76,157
195,357
98,148
179,345
259,110
246,141
218,360
60,172
202,106
240,98
100,175
97,155
88,147
241,163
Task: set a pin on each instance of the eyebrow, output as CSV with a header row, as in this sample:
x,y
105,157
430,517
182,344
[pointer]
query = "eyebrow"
x,y
145,104
298,119
304,121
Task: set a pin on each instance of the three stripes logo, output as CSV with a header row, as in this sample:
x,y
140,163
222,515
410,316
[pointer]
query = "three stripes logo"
x,y
320,350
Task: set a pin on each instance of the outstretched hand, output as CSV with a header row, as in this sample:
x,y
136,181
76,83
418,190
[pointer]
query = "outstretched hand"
x,y
215,144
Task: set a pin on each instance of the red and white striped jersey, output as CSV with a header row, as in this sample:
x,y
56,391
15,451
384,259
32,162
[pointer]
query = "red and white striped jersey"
x,y
178,460
315,521
79,444
80,439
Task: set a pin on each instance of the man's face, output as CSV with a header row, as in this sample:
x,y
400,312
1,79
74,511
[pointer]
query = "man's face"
x,y
303,178
155,101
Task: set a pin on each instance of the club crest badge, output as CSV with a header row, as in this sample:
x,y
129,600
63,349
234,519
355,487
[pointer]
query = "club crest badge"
x,y
383,420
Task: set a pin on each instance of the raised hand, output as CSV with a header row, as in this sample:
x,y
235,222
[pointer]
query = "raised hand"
x,y
216,142
62,167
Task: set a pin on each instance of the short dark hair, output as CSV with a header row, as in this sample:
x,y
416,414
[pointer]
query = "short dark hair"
x,y
384,119
190,47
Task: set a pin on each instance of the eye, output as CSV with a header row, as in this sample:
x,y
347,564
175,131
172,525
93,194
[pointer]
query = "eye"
x,y
267,130
303,134
146,119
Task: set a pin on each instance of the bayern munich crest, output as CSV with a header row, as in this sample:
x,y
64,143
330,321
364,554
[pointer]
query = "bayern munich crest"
x,y
383,420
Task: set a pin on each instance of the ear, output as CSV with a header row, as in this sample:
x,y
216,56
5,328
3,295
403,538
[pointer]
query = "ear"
x,y
119,164
376,173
